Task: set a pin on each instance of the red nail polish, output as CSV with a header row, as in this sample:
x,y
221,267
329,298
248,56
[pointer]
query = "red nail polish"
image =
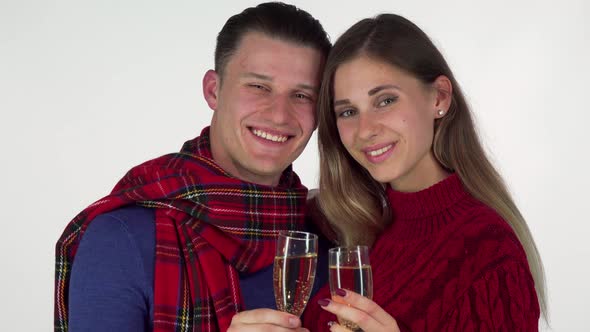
x,y
341,292
323,302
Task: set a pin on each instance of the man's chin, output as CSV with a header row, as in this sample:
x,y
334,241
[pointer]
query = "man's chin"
x,y
269,171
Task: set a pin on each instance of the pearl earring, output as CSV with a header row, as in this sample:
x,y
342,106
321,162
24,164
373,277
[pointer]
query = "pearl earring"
x,y
441,112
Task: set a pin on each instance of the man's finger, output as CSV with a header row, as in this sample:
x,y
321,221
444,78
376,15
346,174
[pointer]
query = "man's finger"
x,y
267,316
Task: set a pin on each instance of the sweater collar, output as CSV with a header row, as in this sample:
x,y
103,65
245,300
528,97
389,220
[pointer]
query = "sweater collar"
x,y
427,202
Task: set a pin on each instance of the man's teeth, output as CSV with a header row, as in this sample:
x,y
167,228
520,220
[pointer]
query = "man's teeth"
x,y
270,137
381,151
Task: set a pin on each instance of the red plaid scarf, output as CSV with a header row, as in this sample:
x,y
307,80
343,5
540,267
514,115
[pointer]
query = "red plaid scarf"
x,y
209,227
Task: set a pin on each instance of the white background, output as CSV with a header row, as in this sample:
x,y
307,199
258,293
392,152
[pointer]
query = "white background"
x,y
90,88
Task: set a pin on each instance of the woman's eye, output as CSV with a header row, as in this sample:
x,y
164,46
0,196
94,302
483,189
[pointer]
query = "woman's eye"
x,y
346,113
387,101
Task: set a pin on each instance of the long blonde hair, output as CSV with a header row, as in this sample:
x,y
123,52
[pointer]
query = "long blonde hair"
x,y
353,203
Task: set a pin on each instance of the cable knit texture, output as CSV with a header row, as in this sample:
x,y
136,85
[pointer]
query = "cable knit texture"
x,y
447,263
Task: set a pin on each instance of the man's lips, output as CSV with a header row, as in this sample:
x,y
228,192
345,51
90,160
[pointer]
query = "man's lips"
x,y
270,135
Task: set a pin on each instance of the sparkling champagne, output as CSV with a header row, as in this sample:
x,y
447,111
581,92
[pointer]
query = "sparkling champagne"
x,y
358,279
293,278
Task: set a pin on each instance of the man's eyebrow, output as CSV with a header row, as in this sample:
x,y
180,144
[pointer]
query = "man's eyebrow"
x,y
307,87
270,79
258,76
382,87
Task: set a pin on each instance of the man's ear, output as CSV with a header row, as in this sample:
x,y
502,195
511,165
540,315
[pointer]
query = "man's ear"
x,y
444,95
211,84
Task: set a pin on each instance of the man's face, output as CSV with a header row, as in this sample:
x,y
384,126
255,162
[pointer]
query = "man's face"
x,y
264,107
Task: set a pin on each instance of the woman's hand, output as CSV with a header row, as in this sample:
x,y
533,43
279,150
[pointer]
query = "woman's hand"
x,y
265,320
368,315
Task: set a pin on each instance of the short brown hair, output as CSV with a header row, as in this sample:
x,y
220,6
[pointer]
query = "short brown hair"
x,y
275,19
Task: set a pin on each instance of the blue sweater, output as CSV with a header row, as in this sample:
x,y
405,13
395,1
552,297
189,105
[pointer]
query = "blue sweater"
x,y
111,286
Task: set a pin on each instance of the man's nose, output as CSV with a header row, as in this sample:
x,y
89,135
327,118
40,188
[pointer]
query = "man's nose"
x,y
281,109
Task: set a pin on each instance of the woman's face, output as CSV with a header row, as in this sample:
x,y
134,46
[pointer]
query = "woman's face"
x,y
385,119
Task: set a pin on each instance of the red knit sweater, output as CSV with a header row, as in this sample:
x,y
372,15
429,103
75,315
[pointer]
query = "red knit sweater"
x,y
447,263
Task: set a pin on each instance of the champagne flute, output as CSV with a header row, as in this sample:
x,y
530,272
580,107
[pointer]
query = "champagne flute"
x,y
350,269
294,270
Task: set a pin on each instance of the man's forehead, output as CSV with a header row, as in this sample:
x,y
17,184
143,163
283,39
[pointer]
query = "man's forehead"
x,y
254,40
266,58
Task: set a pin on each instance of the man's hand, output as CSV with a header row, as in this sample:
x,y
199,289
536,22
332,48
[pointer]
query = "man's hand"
x,y
265,320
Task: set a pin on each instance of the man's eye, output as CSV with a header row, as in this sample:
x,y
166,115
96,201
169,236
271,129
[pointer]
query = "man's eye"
x,y
258,87
303,97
